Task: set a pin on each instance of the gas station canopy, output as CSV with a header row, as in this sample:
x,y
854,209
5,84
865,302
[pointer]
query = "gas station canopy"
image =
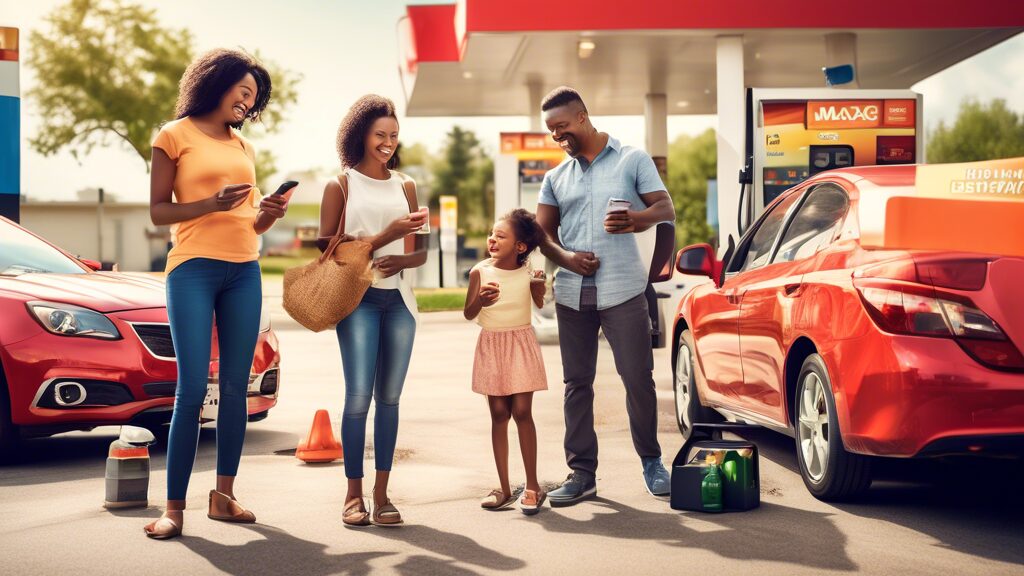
x,y
485,57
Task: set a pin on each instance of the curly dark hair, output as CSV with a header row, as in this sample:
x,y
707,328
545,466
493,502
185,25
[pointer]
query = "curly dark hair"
x,y
353,128
210,76
524,225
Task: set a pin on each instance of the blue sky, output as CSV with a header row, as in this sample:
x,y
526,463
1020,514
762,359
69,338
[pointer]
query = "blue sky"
x,y
355,51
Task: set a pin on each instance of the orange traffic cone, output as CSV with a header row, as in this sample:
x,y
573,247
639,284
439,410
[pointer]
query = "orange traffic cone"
x,y
319,445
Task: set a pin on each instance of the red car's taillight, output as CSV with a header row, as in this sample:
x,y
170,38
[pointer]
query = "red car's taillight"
x,y
920,311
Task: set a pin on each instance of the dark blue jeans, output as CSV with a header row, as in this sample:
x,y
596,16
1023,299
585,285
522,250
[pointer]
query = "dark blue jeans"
x,y
196,290
376,345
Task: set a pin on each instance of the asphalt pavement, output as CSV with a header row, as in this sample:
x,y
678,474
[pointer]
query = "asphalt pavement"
x,y
919,518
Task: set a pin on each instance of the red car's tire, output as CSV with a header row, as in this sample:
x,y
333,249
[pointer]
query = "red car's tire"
x,y
828,470
8,432
688,410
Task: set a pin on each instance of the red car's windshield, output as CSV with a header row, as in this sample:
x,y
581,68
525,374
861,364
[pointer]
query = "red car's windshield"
x,y
23,253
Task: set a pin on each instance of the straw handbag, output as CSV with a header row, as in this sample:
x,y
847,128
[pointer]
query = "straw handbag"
x,y
325,291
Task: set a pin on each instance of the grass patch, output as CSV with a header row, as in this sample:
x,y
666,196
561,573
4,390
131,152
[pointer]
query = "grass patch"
x,y
440,299
276,265
301,213
428,299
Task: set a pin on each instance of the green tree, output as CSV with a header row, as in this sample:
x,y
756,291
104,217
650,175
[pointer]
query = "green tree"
x,y
692,161
283,96
466,170
417,162
106,69
981,132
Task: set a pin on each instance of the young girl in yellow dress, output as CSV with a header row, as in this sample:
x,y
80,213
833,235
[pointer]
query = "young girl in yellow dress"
x,y
508,367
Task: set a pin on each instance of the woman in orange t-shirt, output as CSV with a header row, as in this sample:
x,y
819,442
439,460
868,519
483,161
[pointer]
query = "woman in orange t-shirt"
x,y
203,185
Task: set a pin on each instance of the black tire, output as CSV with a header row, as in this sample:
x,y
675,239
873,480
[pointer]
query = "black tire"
x,y
828,470
259,416
8,431
688,408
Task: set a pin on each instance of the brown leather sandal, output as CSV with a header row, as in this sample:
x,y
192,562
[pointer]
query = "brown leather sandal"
x,y
226,509
163,528
386,515
355,513
497,500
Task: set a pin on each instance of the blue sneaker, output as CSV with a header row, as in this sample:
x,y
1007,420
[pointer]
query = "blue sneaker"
x,y
656,478
578,486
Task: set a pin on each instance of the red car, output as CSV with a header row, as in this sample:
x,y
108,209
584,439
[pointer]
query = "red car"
x,y
80,348
853,351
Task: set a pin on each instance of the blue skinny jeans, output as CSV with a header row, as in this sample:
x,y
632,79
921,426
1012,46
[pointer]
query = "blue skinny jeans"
x,y
196,290
376,345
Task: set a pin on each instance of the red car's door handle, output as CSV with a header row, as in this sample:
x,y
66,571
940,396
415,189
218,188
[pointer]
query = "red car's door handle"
x,y
794,290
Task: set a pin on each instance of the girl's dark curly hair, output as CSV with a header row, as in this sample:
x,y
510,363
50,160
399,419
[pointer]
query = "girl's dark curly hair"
x,y
210,76
353,128
524,225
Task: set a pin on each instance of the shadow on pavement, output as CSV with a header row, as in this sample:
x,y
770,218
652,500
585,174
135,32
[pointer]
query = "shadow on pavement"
x,y
278,553
78,456
423,565
968,505
457,547
973,506
772,532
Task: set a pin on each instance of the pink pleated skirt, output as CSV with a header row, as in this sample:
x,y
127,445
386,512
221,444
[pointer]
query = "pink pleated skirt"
x,y
508,362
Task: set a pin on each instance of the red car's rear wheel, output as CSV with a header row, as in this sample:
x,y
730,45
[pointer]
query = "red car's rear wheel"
x,y
828,470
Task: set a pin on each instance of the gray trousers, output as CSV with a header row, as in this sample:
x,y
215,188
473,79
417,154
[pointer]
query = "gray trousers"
x,y
628,329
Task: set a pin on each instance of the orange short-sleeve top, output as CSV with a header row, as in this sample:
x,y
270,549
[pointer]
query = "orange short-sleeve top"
x,y
204,166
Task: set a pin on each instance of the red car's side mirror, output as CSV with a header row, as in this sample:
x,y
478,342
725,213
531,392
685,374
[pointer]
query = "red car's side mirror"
x,y
92,264
699,260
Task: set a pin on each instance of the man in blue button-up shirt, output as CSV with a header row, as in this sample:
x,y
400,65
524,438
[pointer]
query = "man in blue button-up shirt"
x,y
601,283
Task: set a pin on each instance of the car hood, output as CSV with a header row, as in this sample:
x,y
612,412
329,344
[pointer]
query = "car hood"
x,y
100,291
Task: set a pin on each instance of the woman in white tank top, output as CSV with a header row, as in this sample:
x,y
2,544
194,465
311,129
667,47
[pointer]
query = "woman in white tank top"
x,y
376,339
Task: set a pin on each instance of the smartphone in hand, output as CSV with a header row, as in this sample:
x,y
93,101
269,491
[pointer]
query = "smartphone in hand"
x,y
285,187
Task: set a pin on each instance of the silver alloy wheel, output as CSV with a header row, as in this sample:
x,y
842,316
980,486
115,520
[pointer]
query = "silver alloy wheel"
x,y
684,370
813,427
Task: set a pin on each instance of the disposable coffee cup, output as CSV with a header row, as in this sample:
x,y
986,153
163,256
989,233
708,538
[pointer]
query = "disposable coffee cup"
x,y
425,229
617,205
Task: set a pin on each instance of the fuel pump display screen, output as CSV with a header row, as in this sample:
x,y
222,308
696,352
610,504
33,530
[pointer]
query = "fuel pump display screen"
x,y
805,137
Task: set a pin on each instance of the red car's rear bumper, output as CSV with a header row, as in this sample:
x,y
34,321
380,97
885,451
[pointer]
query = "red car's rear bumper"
x,y
916,396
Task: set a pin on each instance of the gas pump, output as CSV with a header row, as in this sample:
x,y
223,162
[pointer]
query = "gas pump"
x,y
10,120
795,133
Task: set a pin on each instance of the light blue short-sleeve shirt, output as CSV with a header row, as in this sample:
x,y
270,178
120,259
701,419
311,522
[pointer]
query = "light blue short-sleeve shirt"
x,y
581,193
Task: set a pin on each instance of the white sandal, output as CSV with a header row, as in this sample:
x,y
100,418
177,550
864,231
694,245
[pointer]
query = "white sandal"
x,y
538,499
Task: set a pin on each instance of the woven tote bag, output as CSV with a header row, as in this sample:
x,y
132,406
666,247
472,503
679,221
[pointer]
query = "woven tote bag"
x,y
323,292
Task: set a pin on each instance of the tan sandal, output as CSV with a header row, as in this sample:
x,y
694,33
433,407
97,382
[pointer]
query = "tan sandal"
x,y
163,528
386,515
224,508
355,513
532,501
497,500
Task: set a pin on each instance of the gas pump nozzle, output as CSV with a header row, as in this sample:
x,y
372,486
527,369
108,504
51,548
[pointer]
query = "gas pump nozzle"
x,y
746,180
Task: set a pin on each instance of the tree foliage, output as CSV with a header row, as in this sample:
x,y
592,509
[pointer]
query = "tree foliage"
x,y
106,70
692,161
980,132
464,169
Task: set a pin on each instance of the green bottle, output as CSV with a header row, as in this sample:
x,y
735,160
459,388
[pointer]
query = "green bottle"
x,y
711,487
